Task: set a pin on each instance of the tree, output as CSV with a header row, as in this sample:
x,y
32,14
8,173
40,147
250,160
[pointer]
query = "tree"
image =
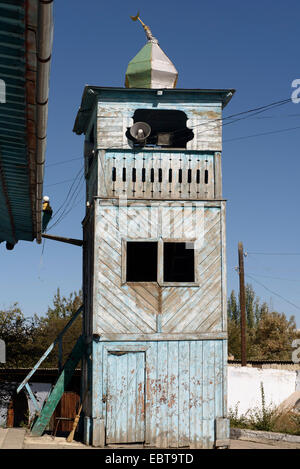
x,y
274,336
268,335
57,316
19,335
27,339
63,307
233,308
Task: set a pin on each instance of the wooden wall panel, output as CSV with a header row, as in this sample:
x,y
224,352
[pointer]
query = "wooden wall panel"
x,y
157,175
132,308
184,391
114,118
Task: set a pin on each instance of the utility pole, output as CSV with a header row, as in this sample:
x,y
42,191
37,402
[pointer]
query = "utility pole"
x,y
242,304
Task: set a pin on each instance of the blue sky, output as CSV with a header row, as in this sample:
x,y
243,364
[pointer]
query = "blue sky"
x,y
251,47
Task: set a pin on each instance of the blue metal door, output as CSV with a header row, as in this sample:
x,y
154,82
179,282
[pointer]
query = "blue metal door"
x,y
125,399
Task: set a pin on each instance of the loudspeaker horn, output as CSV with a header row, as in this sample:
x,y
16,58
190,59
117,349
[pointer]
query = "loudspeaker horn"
x,y
140,131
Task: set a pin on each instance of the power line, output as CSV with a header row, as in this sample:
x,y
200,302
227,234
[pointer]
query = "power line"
x,y
66,213
261,134
71,196
256,111
274,293
57,183
69,192
275,278
274,253
279,117
63,162
259,109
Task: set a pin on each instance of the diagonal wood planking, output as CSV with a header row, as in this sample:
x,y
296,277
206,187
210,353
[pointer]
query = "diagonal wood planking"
x,y
133,308
187,309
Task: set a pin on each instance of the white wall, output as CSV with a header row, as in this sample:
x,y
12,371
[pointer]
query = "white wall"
x,y
41,392
244,386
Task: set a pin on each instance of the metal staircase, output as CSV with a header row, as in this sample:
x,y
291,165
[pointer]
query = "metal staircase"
x,y
44,414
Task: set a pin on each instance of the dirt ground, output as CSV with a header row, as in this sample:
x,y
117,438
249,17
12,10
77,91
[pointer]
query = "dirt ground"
x,y
16,438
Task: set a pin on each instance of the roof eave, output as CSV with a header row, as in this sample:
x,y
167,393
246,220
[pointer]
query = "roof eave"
x,y
44,51
90,91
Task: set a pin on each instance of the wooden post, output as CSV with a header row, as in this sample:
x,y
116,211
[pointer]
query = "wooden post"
x,y
60,352
242,304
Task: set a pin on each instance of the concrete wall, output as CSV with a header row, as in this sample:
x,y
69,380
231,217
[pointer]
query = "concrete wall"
x,y
244,387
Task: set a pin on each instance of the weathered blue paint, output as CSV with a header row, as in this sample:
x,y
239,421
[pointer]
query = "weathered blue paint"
x,y
171,337
125,397
185,386
145,97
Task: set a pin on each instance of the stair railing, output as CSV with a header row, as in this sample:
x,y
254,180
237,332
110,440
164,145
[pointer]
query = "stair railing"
x,y
58,341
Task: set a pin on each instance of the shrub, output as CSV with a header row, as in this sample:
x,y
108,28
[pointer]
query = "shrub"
x,y
266,418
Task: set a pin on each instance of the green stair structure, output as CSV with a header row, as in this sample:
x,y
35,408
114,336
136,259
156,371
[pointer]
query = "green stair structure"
x,y
44,414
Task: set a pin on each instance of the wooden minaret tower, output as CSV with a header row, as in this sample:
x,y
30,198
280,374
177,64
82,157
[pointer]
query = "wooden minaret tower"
x,y
154,270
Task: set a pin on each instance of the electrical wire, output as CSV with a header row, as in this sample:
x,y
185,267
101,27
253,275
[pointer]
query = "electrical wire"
x,y
66,213
259,109
271,291
248,113
63,162
73,196
274,253
57,183
275,278
261,134
256,111
78,174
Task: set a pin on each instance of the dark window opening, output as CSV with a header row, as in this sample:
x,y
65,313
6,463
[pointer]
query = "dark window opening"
x,y
124,175
133,175
141,265
160,175
180,176
152,174
198,176
189,176
168,128
114,174
143,175
206,177
170,175
179,263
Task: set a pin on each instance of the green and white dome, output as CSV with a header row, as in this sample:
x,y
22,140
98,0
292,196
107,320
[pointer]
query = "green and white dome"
x,y
151,68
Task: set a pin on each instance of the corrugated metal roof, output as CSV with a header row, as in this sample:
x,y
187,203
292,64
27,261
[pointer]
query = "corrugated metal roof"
x,y
19,25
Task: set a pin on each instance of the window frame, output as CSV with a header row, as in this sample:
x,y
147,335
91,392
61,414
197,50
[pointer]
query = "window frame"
x,y
124,259
160,262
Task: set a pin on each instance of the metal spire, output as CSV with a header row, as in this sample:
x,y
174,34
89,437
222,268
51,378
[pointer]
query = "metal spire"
x,y
147,30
